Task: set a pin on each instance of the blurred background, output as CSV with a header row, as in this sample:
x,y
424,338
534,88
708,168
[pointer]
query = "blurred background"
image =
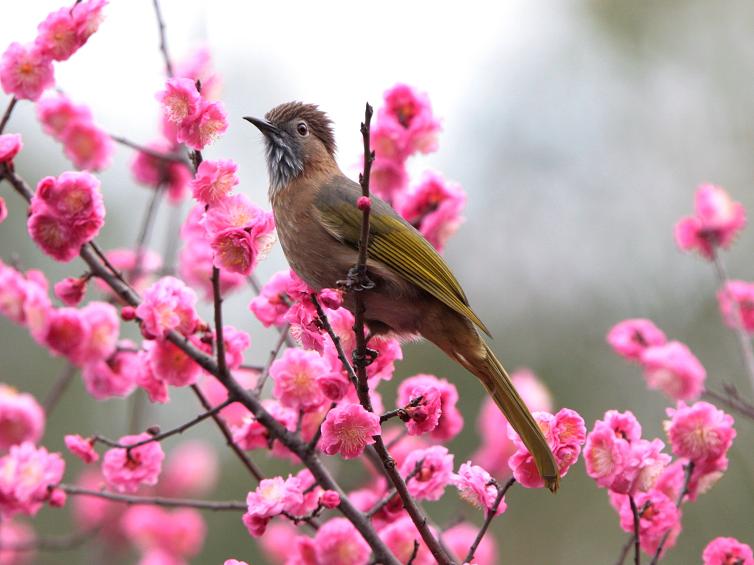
x,y
579,130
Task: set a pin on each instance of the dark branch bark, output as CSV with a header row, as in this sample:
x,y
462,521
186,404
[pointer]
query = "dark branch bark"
x,y
488,520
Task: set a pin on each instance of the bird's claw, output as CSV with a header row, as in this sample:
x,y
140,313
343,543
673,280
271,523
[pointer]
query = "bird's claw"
x,y
365,359
356,280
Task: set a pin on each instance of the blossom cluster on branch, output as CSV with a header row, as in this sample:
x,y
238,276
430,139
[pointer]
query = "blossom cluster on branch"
x,y
135,494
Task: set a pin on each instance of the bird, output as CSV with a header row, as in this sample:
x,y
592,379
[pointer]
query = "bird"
x,y
414,292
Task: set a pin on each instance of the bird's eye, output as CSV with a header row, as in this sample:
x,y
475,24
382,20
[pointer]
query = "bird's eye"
x,y
302,130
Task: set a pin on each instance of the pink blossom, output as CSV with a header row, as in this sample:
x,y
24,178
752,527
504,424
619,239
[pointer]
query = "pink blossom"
x,y
673,369
26,472
88,17
114,376
126,260
339,543
191,471
717,221
53,236
234,562
67,333
700,432
180,100
476,486
56,112
25,71
334,385
274,300
160,557
736,301
434,208
236,342
727,551
64,31
250,434
198,66
389,178
658,515
172,365
459,539
71,290
145,378
423,409
434,473
195,263
235,211
565,433
630,338
21,417
15,533
413,112
168,305
156,172
83,448
205,127
94,512
125,470
87,146
329,499
270,498
103,328
348,429
10,145
400,535
180,533
295,375
3,210
214,181
451,420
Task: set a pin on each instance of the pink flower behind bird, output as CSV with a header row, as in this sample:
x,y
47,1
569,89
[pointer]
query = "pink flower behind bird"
x,y
675,370
348,429
412,111
736,301
274,301
717,221
339,543
26,472
630,338
87,146
25,71
126,470
727,551
21,418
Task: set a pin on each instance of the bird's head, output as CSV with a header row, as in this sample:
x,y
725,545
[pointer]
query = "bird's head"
x,y
298,138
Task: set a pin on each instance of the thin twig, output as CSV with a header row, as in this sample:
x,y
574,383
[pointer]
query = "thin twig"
x,y
58,388
274,352
145,231
491,512
158,155
744,341
637,540
678,502
732,400
228,505
7,113
385,500
163,40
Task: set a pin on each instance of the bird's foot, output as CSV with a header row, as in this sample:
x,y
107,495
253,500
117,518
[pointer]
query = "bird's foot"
x,y
357,280
365,359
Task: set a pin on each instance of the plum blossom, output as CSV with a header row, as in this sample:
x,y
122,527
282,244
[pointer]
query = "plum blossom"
x,y
81,447
477,487
434,474
168,305
169,363
180,532
26,472
673,369
25,71
70,290
56,112
630,338
180,100
295,375
434,208
329,499
270,498
206,126
87,146
727,551
717,221
459,538
214,181
736,301
22,418
400,535
339,543
658,515
114,376
192,470
274,299
451,420
348,429
10,145
16,533
156,172
412,111
701,432
125,470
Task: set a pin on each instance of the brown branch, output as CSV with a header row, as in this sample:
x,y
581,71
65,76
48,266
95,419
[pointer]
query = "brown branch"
x,y
637,541
744,341
274,352
488,520
385,500
163,39
58,388
731,399
277,431
8,111
145,230
158,155
229,505
678,502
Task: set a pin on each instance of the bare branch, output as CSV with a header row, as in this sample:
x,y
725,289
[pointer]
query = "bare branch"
x,y
230,505
488,520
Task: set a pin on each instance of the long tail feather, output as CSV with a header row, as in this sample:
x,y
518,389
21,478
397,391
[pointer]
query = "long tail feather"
x,y
498,384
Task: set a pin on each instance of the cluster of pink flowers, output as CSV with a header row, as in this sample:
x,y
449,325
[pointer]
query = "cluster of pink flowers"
x,y
85,144
27,477
727,551
21,418
66,212
126,469
405,125
669,366
717,222
26,70
736,300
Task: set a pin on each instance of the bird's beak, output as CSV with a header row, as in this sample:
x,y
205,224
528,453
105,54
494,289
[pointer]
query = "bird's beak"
x,y
264,126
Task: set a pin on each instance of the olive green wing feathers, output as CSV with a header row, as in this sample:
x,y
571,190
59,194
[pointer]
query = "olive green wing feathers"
x,y
393,241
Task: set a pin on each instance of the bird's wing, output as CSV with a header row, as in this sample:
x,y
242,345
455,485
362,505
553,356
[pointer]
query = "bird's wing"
x,y
393,241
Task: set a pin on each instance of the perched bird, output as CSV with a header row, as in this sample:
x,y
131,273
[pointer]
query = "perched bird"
x,y
415,293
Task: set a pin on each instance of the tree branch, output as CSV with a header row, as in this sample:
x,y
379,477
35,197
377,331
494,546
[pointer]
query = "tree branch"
x,y
8,111
731,399
163,40
271,359
230,505
678,502
637,541
488,520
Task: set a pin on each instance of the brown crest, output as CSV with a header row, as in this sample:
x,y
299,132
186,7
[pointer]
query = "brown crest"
x,y
318,122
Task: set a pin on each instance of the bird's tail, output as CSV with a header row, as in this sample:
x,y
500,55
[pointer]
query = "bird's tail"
x,y
498,384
